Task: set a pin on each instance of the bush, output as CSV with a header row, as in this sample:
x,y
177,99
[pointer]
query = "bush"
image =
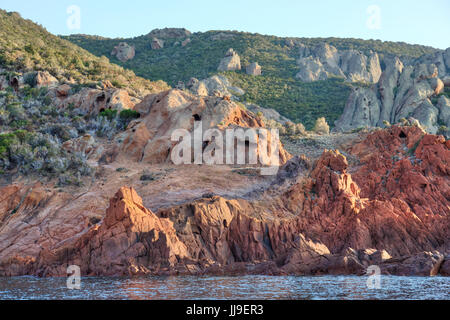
x,y
108,114
6,141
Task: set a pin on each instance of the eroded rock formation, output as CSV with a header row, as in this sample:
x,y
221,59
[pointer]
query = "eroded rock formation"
x,y
402,92
322,61
148,139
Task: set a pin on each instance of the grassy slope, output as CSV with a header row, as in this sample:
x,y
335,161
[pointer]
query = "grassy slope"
x,y
277,88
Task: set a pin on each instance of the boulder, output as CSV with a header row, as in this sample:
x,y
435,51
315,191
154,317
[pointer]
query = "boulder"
x,y
421,264
437,85
446,81
362,110
93,101
253,69
63,90
85,145
45,79
311,69
123,52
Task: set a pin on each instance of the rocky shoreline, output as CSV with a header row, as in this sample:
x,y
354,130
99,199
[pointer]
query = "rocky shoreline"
x,y
391,209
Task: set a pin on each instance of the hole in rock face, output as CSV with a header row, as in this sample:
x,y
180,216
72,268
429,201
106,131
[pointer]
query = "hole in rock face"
x,y
197,117
402,135
101,110
225,223
15,84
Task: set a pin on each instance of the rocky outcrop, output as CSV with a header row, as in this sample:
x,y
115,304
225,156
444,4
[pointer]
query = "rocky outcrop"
x,y
361,110
402,92
123,52
93,101
231,62
130,240
253,69
157,44
323,61
217,85
44,79
85,145
421,264
222,36
445,267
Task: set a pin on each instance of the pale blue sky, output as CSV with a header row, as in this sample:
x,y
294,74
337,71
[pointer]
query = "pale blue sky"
x,y
413,21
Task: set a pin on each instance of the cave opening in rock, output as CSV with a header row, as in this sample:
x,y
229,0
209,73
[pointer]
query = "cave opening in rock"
x,y
402,135
100,98
197,117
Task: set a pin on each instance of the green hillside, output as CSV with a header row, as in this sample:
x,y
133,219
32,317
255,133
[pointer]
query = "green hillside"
x,y
32,128
277,88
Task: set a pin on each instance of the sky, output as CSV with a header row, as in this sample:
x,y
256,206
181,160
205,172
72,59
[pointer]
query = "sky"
x,y
425,22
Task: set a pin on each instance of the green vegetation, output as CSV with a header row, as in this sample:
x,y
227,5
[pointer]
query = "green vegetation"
x,y
299,101
129,115
109,114
27,46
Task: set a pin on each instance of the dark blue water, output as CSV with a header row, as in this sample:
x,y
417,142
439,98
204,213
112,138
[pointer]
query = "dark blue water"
x,y
247,287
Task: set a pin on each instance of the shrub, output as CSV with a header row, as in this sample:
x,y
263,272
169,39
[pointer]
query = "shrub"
x,y
129,114
6,141
108,114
